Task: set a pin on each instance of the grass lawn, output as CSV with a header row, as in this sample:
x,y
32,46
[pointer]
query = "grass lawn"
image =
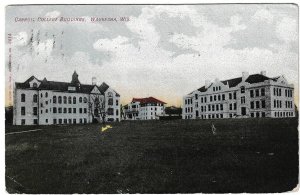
x,y
182,156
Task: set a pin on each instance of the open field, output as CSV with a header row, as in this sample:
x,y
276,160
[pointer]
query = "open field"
x,y
182,156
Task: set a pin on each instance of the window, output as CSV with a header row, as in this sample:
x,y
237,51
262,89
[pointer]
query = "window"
x,y
35,97
257,114
252,105
42,105
234,95
35,121
263,104
256,92
275,103
243,101
217,107
221,106
80,100
22,97
80,121
59,99
196,96
219,97
54,110
65,121
223,96
117,102
85,100
230,106
74,110
35,111
215,97
54,121
230,96
41,95
60,121
251,95
74,100
252,114
213,107
65,99
110,101
65,110
211,99
59,110
80,110
46,94
74,121
46,120
70,110
23,122
46,110
262,91
242,89
69,121
85,110
234,106
23,110
54,99
110,111
257,104
34,85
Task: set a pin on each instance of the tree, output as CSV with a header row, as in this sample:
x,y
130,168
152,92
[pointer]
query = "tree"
x,y
97,107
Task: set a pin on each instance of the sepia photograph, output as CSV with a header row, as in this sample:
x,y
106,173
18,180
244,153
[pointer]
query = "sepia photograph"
x,y
151,98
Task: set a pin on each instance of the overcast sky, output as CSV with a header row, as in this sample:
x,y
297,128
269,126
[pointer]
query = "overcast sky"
x,y
162,51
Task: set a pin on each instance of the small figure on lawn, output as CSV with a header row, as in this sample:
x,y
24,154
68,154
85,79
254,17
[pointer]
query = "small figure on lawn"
x,y
213,129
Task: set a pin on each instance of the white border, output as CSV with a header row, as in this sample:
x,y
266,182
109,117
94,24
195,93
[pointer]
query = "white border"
x,y
4,3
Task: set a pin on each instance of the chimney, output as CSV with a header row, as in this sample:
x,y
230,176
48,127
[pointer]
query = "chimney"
x,y
245,75
94,81
264,73
207,83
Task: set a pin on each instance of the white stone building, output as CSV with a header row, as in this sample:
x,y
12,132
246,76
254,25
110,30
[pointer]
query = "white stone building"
x,y
248,96
148,108
43,102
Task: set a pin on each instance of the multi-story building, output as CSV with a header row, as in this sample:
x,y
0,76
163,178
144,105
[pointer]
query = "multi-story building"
x,y
248,96
148,108
43,102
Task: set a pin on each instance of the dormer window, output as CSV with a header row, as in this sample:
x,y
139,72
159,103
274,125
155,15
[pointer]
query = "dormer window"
x,y
242,89
34,85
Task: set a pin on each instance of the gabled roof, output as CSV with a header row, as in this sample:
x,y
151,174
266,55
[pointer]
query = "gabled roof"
x,y
62,86
147,100
254,78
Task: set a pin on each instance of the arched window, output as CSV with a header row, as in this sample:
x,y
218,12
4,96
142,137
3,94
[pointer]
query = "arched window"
x,y
46,94
41,95
242,89
65,99
54,99
109,94
34,85
69,100
80,100
59,99
35,98
74,100
22,97
85,100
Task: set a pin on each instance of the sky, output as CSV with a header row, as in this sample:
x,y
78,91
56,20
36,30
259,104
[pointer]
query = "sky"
x,y
164,51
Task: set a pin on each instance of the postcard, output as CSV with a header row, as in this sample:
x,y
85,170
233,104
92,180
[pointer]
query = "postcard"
x,y
169,98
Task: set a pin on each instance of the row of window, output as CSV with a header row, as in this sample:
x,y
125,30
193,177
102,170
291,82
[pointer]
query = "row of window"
x,y
289,104
277,104
68,100
288,93
218,97
217,88
58,121
55,110
64,99
188,101
257,114
258,104
283,114
257,92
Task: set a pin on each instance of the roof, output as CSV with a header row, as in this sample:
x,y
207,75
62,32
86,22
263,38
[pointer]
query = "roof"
x,y
62,86
147,100
254,78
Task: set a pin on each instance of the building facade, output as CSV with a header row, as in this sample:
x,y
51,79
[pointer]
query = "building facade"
x,y
248,96
43,102
148,108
